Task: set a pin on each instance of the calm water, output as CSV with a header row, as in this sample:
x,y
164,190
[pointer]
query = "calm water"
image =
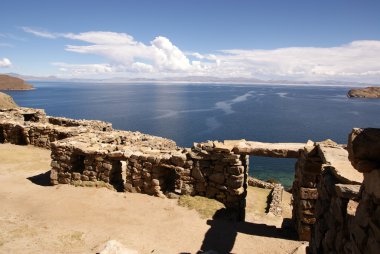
x,y
192,113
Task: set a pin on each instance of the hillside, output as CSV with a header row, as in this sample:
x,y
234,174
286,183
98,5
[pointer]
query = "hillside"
x,y
6,101
11,83
368,92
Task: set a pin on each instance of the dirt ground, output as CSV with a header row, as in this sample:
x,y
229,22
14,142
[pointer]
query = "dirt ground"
x,y
37,218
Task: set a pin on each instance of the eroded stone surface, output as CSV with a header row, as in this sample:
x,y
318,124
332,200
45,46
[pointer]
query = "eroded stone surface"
x,y
364,149
277,150
336,158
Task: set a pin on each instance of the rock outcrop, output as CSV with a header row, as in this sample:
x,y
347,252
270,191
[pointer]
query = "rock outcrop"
x,y
368,92
12,83
6,101
364,149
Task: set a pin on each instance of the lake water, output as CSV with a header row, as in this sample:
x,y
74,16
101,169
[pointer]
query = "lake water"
x,y
190,113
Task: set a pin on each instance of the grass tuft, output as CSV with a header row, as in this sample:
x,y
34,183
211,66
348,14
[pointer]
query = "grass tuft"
x,y
204,206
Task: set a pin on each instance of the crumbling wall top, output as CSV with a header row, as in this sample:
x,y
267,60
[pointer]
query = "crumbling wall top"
x,y
335,157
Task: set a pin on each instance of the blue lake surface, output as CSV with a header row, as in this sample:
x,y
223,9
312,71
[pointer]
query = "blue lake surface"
x,y
190,113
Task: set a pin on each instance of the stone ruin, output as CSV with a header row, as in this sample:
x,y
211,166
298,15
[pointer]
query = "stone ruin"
x,y
333,207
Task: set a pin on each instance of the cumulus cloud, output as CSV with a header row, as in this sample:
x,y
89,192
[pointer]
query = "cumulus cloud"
x,y
122,49
355,61
5,63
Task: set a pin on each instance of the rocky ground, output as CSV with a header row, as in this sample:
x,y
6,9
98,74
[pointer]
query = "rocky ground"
x,y
37,218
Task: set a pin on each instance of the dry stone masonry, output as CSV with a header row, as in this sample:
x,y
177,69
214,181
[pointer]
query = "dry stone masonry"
x,y
348,206
91,153
336,193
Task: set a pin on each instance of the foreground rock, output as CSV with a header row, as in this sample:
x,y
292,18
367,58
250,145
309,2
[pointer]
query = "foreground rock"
x,y
364,149
368,92
114,247
6,101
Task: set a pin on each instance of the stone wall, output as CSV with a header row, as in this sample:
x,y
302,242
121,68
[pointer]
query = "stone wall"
x,y
348,207
92,153
93,124
307,173
203,170
26,126
275,206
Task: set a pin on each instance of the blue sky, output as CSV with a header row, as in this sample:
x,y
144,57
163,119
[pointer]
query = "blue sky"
x,y
293,39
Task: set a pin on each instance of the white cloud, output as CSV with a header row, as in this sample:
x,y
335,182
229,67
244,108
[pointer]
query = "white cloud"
x,y
103,38
356,61
39,33
84,69
123,49
5,63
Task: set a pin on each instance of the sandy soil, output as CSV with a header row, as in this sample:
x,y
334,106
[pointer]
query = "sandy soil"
x,y
35,218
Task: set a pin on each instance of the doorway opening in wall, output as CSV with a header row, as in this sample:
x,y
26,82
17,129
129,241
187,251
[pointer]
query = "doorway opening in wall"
x,y
20,138
62,136
2,137
116,176
31,117
78,163
275,170
259,197
169,177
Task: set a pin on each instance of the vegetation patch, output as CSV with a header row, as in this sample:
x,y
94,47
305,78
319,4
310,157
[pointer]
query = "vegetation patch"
x,y
204,206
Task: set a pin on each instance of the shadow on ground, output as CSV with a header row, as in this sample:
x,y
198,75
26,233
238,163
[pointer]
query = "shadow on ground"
x,y
42,179
223,231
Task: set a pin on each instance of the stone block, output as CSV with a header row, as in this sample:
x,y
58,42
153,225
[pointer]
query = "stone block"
x,y
304,231
308,219
76,176
53,174
348,191
84,178
307,204
235,170
197,174
308,193
217,178
312,167
179,160
235,182
372,183
211,191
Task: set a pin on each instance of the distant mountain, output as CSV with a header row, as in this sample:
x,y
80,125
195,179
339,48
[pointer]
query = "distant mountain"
x,y
193,79
13,83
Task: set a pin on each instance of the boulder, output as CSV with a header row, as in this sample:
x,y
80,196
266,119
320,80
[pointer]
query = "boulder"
x,y
364,149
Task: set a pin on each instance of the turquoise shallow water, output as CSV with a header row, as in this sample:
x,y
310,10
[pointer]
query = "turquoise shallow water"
x,y
190,113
